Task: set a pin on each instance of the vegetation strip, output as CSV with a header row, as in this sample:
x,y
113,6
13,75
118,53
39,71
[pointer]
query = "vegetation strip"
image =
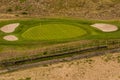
x,y
65,51
111,46
52,56
42,30
28,48
60,59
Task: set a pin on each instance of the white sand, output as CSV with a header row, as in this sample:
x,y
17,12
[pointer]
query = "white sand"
x,y
9,28
10,38
105,27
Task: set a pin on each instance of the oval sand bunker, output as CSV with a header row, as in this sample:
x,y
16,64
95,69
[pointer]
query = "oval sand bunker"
x,y
105,27
10,38
9,28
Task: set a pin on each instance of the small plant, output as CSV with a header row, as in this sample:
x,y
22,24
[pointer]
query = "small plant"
x,y
44,53
17,8
17,15
24,13
28,78
118,76
45,65
89,61
118,59
22,1
67,75
108,58
9,10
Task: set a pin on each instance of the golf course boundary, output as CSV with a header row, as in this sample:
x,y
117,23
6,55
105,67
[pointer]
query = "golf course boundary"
x,y
111,46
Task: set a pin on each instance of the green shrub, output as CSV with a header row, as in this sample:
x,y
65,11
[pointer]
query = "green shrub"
x,y
44,53
24,13
118,59
9,10
28,78
22,1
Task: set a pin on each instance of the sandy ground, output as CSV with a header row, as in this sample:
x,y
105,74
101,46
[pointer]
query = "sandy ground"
x,y
10,38
104,67
105,27
9,28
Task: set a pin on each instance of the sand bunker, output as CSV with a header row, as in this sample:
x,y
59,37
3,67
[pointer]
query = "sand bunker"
x,y
10,38
105,27
9,28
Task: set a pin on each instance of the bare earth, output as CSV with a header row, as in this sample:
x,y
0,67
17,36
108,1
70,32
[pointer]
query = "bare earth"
x,y
104,67
9,28
10,38
105,27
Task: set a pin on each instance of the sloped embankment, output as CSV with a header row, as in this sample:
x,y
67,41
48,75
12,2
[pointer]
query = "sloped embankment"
x,y
93,9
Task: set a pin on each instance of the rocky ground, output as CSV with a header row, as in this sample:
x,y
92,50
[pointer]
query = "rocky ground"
x,y
92,9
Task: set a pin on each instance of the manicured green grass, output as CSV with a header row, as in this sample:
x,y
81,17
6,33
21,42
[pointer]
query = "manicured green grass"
x,y
36,33
53,32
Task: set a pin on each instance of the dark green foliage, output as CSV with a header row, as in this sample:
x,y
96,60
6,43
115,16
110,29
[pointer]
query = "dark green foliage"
x,y
9,10
28,78
44,53
118,59
24,13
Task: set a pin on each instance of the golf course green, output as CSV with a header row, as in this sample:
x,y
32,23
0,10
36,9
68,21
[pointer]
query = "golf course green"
x,y
48,36
53,29
53,32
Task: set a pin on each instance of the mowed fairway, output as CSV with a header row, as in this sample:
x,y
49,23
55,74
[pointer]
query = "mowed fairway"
x,y
53,32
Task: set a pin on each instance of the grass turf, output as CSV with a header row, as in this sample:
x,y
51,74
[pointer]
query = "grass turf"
x,y
70,25
30,30
53,32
